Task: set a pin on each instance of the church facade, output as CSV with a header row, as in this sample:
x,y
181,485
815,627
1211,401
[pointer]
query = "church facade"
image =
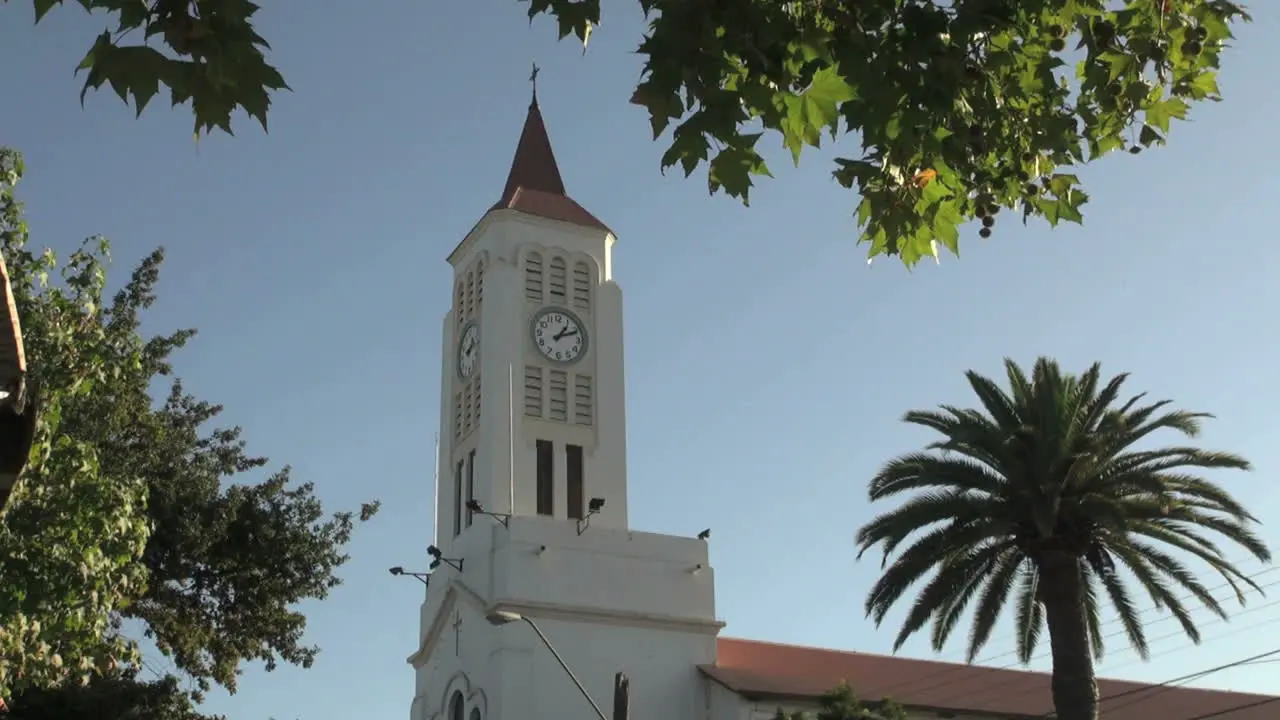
x,y
541,590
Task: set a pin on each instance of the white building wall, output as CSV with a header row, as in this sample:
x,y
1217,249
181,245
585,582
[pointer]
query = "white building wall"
x,y
728,705
608,600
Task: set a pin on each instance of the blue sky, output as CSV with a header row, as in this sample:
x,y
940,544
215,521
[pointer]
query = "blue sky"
x,y
767,364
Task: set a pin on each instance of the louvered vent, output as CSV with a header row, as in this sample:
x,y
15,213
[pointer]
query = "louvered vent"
x,y
457,415
557,280
475,398
479,283
558,392
459,297
533,391
533,277
471,294
581,286
583,397
468,404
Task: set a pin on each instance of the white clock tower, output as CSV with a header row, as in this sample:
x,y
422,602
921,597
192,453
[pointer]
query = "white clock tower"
x,y
531,519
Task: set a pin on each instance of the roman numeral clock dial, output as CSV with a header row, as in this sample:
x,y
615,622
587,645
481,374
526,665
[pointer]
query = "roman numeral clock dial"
x,y
469,351
559,335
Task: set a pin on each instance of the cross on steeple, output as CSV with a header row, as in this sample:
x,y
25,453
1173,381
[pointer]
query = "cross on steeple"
x,y
533,80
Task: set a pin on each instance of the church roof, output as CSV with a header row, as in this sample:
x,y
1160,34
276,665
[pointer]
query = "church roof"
x,y
534,185
768,671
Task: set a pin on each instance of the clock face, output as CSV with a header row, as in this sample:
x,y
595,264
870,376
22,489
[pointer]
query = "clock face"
x,y
469,350
559,335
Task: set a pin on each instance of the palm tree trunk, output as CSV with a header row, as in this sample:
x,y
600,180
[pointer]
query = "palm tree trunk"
x,y
1075,689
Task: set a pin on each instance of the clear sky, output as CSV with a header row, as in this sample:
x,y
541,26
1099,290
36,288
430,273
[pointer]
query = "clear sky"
x,y
767,364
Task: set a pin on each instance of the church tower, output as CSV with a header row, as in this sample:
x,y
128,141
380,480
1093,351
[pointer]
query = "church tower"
x,y
532,531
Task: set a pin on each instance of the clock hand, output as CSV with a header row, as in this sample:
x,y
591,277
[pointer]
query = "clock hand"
x,y
563,331
567,333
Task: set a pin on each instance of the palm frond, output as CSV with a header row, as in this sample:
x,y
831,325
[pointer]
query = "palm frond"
x,y
1030,620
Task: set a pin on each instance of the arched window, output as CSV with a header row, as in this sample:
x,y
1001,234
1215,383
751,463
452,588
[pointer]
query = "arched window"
x,y
456,710
475,713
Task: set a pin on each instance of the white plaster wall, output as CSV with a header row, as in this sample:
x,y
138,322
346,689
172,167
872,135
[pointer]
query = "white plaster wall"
x,y
542,561
659,663
609,601
507,483
723,703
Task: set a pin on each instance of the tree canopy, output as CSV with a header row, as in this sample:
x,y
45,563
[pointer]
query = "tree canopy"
x,y
136,510
960,107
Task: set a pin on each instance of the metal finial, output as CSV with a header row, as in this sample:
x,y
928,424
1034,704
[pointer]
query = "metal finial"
x,y
533,79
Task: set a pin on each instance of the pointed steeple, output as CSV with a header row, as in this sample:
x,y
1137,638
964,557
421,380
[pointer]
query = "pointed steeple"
x,y
534,185
534,165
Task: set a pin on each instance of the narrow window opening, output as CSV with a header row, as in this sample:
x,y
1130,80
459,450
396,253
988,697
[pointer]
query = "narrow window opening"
x,y
546,483
471,485
457,709
574,484
457,499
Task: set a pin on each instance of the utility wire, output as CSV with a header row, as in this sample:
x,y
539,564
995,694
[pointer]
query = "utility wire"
x,y
1174,684
914,683
1228,711
1185,678
1177,633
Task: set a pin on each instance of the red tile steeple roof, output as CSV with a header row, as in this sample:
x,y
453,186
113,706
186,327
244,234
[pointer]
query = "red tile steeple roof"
x,y
534,185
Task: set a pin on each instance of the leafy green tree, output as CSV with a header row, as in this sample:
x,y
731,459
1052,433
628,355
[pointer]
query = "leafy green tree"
x,y
118,696
962,107
136,510
842,704
73,535
208,54
1041,496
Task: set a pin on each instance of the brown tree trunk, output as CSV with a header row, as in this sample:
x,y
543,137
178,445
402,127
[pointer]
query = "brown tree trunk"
x,y
1075,689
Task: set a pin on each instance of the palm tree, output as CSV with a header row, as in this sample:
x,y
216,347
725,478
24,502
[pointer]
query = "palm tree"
x,y
1045,491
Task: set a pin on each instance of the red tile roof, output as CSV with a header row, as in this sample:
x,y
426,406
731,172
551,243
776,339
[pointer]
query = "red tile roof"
x,y
768,671
534,185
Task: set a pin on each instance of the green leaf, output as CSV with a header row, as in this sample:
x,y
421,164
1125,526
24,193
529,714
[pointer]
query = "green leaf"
x,y
43,7
1159,115
815,109
732,169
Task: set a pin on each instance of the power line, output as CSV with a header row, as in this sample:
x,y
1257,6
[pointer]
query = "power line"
x,y
1173,684
1246,706
1167,683
1178,632
914,684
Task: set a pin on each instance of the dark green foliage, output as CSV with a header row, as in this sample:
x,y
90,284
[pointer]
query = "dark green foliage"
x,y
116,697
215,59
961,107
1042,497
841,704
